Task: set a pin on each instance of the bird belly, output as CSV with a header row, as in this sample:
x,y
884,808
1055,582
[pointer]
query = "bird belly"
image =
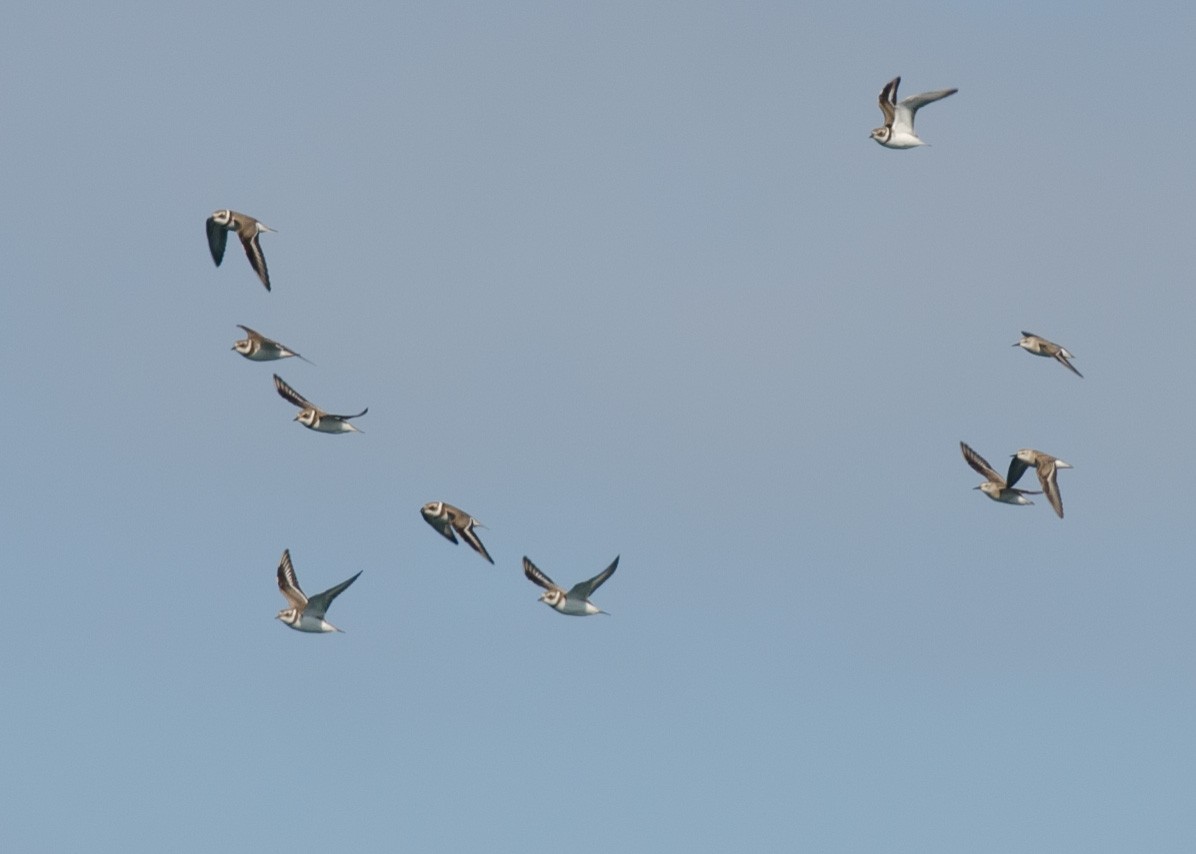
x,y
331,425
577,609
1009,496
902,140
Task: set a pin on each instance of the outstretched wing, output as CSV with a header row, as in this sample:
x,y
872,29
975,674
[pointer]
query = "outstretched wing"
x,y
317,606
1016,469
255,335
470,536
980,465
1062,356
293,397
217,238
288,583
253,251
888,97
1047,476
904,119
534,575
583,589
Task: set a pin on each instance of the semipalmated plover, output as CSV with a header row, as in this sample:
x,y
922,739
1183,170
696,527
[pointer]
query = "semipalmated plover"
x,y
1047,468
1039,346
994,486
311,416
306,615
450,521
898,130
576,602
248,229
258,348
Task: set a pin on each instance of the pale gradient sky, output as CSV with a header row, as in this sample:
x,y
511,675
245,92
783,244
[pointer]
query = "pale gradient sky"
x,y
618,279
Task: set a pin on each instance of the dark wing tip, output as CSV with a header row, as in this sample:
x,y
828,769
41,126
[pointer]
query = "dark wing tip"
x,y
257,259
978,463
535,576
1068,365
289,394
475,542
287,579
600,579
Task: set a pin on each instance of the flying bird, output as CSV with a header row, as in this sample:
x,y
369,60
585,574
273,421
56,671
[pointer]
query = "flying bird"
x,y
450,521
994,486
311,416
306,615
898,129
248,229
576,602
1039,346
258,348
1047,468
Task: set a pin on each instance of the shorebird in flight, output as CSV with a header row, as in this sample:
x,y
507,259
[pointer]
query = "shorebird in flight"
x,y
1047,468
1039,346
311,416
994,486
450,521
258,348
248,229
306,615
576,602
898,129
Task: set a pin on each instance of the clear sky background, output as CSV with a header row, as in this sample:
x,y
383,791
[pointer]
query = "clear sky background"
x,y
618,279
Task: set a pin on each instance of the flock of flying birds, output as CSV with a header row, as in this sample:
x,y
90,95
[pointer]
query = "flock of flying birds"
x,y
1003,489
898,132
308,613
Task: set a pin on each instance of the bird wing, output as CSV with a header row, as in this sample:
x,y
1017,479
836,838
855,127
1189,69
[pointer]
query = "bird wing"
x,y
1016,469
1050,484
255,335
317,606
888,97
253,251
534,575
217,238
1063,359
470,536
288,583
980,464
584,589
293,397
904,119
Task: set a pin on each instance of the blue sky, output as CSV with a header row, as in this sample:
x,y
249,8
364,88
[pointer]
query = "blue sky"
x,y
618,279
